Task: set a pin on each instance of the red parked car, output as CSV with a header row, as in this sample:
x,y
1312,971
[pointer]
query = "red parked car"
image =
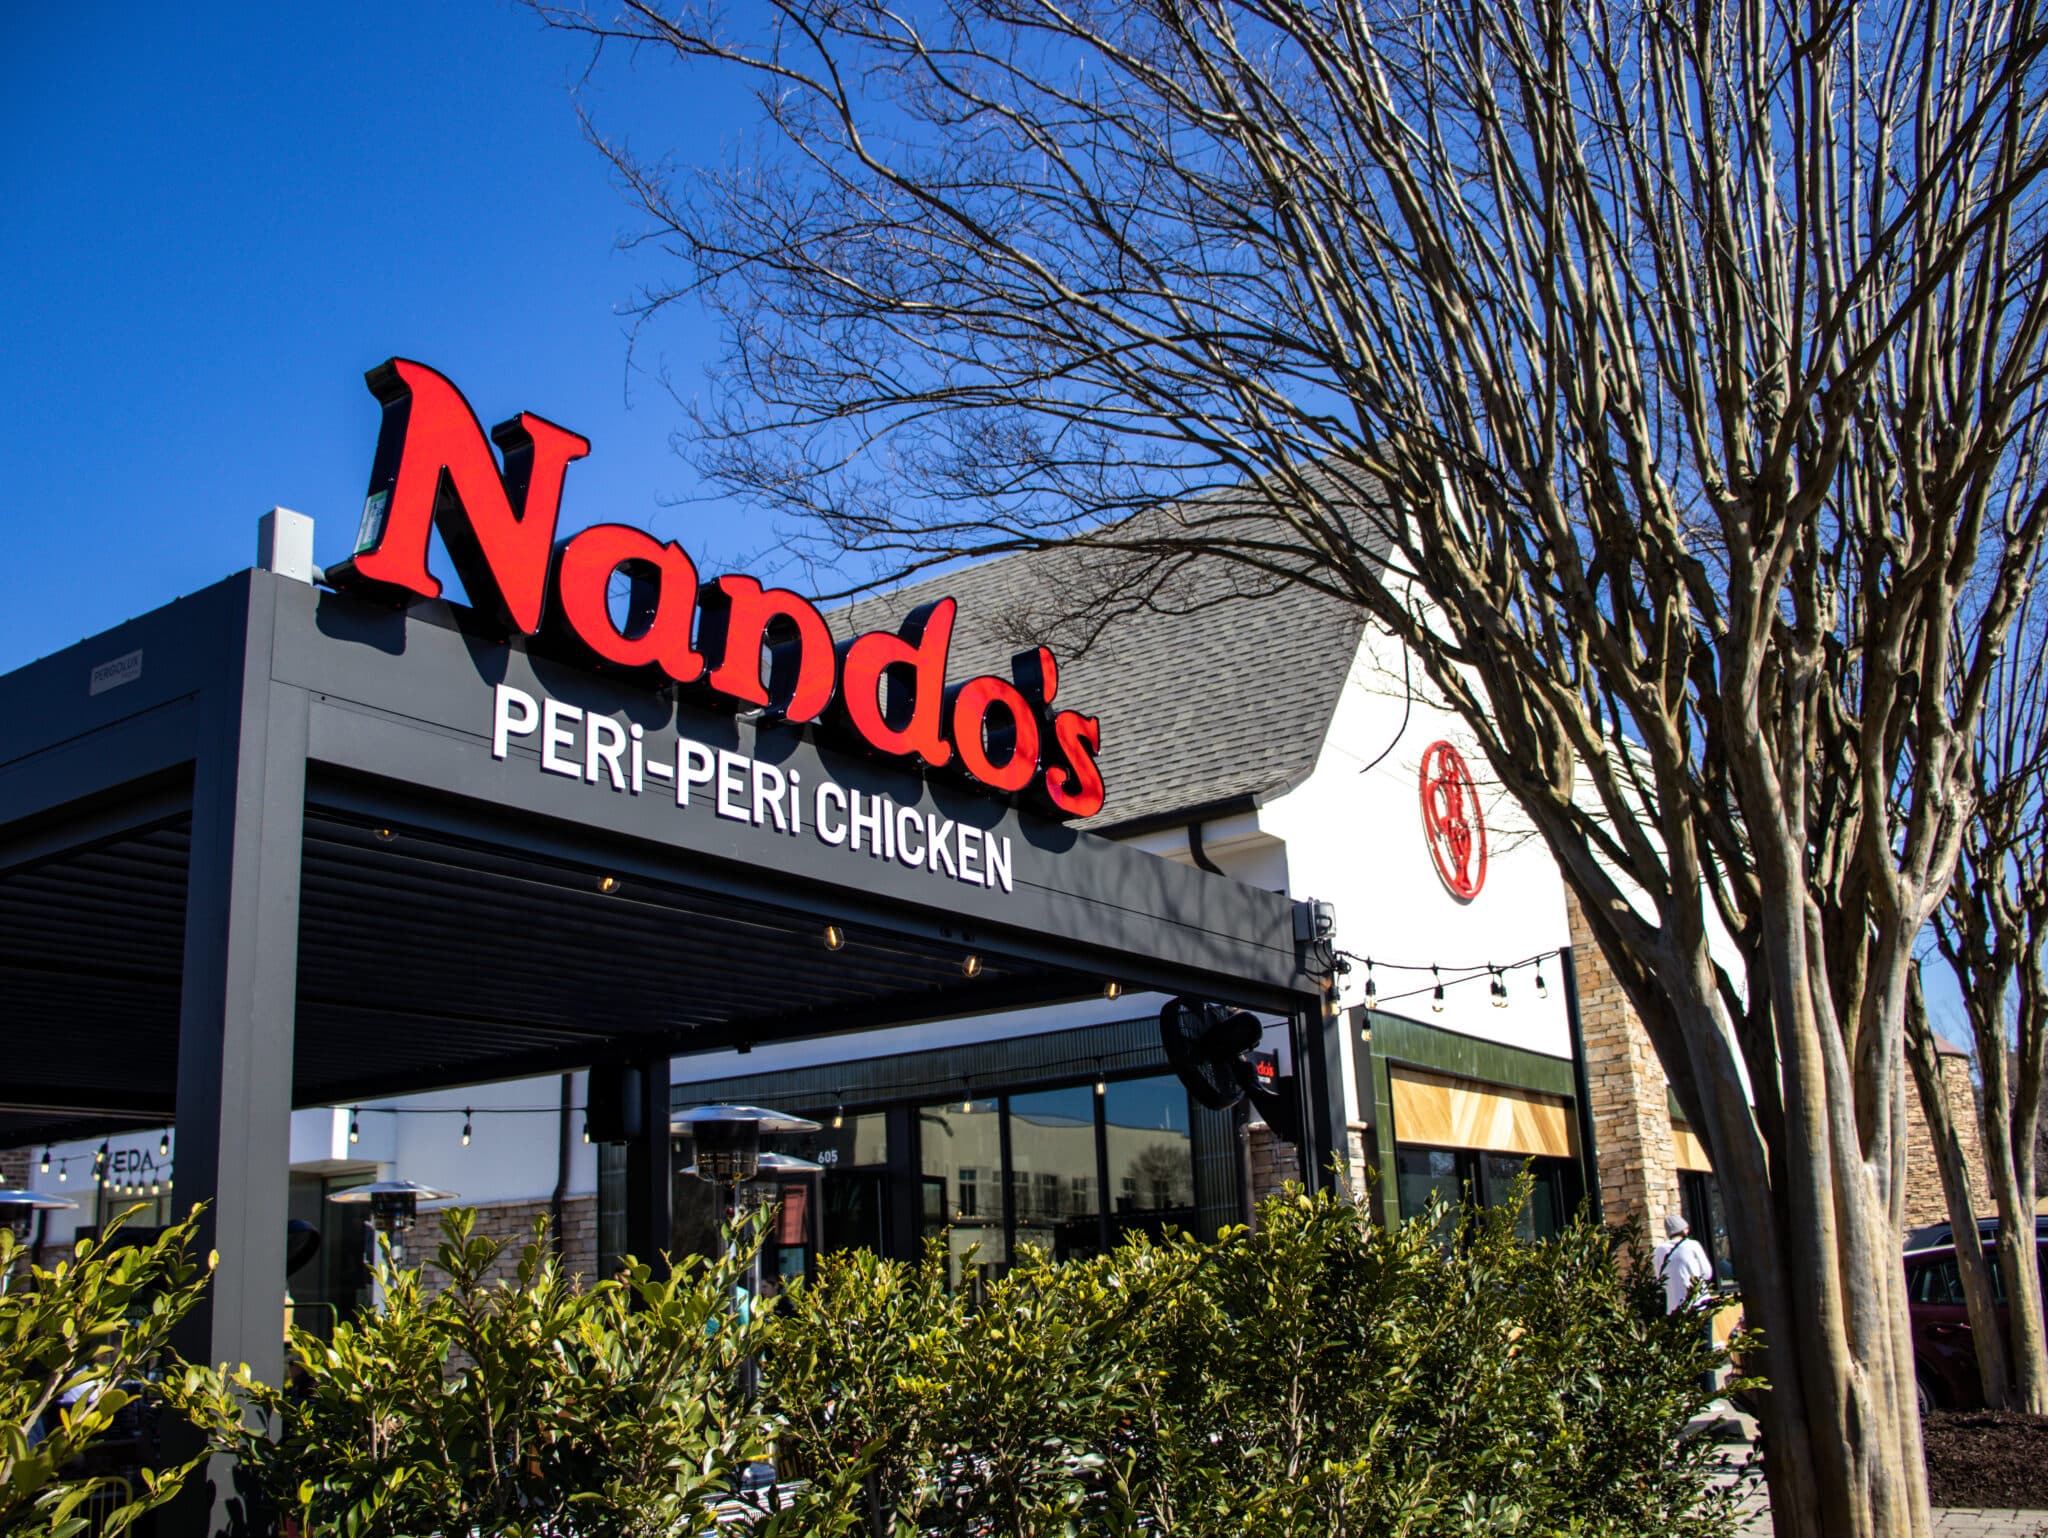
x,y
1944,1355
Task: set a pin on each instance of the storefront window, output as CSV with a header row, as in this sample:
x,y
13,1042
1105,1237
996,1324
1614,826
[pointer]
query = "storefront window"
x,y
1426,1173
1151,1154
958,1143
1054,1171
855,1154
1489,1180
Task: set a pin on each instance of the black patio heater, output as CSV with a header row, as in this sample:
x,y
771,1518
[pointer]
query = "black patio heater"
x,y
394,1206
728,1143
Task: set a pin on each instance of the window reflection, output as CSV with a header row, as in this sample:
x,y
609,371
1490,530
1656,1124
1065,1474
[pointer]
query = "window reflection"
x,y
960,1143
1151,1154
1053,1171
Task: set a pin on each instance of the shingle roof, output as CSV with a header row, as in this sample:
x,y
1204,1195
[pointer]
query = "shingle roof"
x,y
1212,681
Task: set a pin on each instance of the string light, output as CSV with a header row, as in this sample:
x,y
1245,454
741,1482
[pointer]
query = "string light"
x,y
966,1098
586,1126
163,1146
838,1117
1542,988
1436,999
1498,987
835,938
1101,1084
1112,989
1372,989
355,1132
608,884
465,1126
46,1161
970,965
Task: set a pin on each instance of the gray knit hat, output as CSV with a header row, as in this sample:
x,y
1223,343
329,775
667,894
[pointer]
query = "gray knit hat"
x,y
1674,1225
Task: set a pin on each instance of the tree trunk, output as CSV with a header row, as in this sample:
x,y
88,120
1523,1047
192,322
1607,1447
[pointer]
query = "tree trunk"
x,y
1840,1430
1816,1249
2006,1131
1841,1425
1979,1300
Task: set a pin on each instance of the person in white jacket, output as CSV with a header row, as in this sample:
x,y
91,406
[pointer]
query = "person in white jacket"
x,y
1683,1265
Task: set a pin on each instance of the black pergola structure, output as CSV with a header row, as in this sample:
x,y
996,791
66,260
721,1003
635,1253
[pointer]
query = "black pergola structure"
x,y
259,850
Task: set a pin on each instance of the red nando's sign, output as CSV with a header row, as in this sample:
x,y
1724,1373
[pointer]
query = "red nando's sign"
x,y
729,641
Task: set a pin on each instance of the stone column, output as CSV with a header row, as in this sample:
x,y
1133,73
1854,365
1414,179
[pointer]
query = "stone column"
x,y
1631,1099
1924,1200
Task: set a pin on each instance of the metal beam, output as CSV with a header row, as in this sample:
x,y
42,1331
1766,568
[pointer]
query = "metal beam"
x,y
650,1176
236,1015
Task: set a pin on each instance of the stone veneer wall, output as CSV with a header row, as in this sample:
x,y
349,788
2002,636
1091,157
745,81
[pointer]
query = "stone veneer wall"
x,y
1274,1161
512,1223
1924,1200
1631,1099
1631,1108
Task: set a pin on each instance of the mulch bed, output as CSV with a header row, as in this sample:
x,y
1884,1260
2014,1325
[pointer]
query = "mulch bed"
x,y
1987,1458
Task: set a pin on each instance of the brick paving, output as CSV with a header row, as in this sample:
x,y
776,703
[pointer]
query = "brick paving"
x,y
1949,1521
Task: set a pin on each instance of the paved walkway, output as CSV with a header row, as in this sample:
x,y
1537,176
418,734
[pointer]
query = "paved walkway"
x,y
1949,1521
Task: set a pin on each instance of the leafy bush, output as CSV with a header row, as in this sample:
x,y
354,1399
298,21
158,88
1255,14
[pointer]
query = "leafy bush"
x,y
1318,1375
79,1346
525,1407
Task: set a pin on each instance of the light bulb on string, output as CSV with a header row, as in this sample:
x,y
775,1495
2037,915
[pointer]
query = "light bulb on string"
x,y
46,1161
1436,999
838,1117
163,1146
1499,989
1372,989
586,1126
1542,988
465,1126
355,1132
970,965
835,937
1101,1084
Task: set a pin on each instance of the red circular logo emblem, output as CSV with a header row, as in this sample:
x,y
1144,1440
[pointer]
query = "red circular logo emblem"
x,y
1452,821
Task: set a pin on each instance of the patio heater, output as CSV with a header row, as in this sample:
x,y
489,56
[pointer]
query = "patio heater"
x,y
18,1211
394,1207
728,1142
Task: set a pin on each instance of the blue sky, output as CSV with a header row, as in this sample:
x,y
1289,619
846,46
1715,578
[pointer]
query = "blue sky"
x,y
215,219
212,221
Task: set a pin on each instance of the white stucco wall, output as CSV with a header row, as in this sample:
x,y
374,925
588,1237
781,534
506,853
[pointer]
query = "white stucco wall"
x,y
1354,836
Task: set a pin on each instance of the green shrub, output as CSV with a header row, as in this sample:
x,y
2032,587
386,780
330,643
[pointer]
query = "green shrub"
x,y
1318,1375
530,1406
78,1344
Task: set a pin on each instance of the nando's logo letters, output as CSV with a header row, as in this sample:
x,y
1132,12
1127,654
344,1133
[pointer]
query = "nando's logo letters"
x,y
728,641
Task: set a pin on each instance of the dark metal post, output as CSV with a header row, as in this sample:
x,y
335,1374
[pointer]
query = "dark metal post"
x,y
1582,1095
1317,1046
1241,1148
236,1014
650,1178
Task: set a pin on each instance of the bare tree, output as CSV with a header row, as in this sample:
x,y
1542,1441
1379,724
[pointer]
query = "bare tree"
x,y
1991,931
1666,378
